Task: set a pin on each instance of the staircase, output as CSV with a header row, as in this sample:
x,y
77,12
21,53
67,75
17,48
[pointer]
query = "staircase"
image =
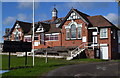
x,y
76,51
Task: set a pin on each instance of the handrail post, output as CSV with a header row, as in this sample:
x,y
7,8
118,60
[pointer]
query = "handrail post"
x,y
78,48
71,54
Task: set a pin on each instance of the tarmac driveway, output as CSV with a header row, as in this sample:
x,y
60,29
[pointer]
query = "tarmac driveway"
x,y
93,70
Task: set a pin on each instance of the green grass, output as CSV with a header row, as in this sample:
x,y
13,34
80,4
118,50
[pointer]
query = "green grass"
x,y
40,67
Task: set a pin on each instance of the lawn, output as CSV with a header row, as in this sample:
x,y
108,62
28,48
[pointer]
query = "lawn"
x,y
40,67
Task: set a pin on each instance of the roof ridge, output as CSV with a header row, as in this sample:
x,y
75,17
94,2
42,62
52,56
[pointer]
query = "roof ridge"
x,y
23,21
95,16
50,19
81,12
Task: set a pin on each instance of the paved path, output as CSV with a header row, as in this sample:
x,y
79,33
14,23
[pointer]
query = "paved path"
x,y
91,69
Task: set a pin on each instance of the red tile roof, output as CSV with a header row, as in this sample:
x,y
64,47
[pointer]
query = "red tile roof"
x,y
99,20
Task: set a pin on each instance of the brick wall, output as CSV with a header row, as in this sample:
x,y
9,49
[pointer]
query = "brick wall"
x,y
75,42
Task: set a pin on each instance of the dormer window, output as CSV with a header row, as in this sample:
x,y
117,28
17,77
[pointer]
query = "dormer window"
x,y
17,26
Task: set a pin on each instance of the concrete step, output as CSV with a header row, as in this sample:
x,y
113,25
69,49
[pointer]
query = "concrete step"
x,y
69,58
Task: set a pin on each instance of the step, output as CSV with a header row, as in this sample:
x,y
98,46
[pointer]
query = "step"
x,y
69,58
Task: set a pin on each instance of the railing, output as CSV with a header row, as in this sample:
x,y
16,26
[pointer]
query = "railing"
x,y
82,46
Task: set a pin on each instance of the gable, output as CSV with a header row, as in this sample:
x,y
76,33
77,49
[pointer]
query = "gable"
x,y
75,14
25,26
40,29
99,20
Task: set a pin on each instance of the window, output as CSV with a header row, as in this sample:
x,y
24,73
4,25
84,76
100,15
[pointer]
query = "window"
x,y
51,37
79,32
103,33
28,39
73,31
67,34
36,38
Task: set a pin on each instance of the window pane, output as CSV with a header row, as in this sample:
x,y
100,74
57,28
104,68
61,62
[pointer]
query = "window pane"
x,y
51,37
73,31
56,37
67,34
103,33
47,37
79,32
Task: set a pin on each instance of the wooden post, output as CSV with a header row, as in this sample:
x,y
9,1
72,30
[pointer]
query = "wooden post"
x,y
25,58
46,60
9,61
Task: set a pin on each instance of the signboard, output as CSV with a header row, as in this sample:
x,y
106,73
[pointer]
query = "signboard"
x,y
17,46
84,39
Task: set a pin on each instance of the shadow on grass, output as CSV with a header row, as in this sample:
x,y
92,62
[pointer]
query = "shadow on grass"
x,y
18,67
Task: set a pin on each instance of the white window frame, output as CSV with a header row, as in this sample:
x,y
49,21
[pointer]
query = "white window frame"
x,y
70,25
53,34
102,32
67,31
79,26
74,31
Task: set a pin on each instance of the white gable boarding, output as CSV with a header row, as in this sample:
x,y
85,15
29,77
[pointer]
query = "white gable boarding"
x,y
73,16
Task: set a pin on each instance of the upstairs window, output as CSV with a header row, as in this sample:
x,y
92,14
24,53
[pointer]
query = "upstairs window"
x,y
73,31
36,37
51,37
103,33
67,34
79,32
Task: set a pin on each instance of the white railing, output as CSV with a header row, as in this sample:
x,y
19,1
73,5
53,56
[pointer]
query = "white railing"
x,y
78,48
82,46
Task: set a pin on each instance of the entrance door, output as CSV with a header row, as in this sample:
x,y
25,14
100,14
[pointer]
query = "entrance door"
x,y
104,52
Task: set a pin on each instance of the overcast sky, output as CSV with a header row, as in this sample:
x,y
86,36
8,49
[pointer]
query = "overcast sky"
x,y
12,11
